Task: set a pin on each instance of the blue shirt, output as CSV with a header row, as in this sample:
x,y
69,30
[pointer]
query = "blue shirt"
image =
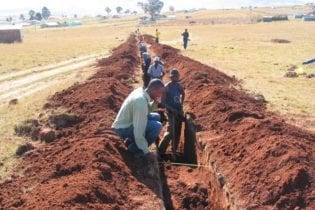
x,y
173,94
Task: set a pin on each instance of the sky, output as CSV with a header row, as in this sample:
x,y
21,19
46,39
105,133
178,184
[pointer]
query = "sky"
x,y
93,7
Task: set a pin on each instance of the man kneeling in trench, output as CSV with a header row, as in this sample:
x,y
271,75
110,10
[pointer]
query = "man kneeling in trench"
x,y
136,124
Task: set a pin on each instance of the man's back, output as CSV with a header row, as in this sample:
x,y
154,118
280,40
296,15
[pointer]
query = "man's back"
x,y
156,70
138,98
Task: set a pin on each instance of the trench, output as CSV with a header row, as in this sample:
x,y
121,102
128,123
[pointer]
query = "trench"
x,y
190,181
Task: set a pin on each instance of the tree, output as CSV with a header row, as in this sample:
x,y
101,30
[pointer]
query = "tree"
x,y
75,16
119,9
38,16
108,10
153,7
22,17
172,8
45,13
127,11
31,13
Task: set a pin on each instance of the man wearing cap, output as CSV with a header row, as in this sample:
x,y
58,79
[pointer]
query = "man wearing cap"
x,y
173,99
156,70
142,48
135,122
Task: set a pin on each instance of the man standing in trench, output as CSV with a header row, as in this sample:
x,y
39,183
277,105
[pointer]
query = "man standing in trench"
x,y
156,70
136,124
173,100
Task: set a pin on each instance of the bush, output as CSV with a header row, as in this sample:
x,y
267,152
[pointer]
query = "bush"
x,y
25,128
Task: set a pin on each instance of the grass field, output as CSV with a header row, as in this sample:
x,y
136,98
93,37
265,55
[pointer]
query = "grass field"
x,y
243,50
45,46
247,52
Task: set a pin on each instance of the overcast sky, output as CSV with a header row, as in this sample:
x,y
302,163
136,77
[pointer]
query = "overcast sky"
x,y
97,6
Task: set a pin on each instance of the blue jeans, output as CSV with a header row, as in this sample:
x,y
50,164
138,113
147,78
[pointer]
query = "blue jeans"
x,y
152,131
185,43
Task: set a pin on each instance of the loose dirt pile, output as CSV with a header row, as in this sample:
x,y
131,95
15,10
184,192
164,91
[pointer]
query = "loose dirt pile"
x,y
264,161
88,166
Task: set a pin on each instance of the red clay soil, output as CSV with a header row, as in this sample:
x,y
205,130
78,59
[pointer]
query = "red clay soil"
x,y
266,163
185,187
87,166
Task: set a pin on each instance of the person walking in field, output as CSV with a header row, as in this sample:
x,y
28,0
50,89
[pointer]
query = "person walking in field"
x,y
173,100
156,70
136,123
185,38
157,36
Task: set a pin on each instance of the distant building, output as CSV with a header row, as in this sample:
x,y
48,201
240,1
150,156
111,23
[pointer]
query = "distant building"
x,y
267,19
309,18
11,33
50,25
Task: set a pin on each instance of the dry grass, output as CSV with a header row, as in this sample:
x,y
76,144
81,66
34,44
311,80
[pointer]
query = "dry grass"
x,y
45,46
246,51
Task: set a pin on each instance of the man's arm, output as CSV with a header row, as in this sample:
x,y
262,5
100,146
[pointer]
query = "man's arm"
x,y
162,70
183,94
140,119
150,71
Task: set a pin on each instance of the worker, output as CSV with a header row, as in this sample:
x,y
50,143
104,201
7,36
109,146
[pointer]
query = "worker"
x,y
146,60
185,38
157,36
173,99
136,123
145,66
142,48
156,70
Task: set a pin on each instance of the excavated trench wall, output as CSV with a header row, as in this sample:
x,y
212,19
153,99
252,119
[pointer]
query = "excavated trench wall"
x,y
256,159
87,166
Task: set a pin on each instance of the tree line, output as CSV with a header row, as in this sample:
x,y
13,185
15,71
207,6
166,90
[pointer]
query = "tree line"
x,y
152,7
44,14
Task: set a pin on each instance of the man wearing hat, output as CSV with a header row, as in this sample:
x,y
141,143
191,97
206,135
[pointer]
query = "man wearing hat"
x,y
173,99
156,70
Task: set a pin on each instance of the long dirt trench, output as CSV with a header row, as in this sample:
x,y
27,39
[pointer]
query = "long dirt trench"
x,y
249,158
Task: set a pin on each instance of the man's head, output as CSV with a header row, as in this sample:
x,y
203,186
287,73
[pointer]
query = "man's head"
x,y
186,30
156,60
174,75
156,89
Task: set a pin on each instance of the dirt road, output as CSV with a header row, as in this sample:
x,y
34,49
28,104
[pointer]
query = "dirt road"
x,y
24,83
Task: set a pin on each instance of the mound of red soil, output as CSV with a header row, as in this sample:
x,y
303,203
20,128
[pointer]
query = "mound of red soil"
x,y
264,161
88,165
